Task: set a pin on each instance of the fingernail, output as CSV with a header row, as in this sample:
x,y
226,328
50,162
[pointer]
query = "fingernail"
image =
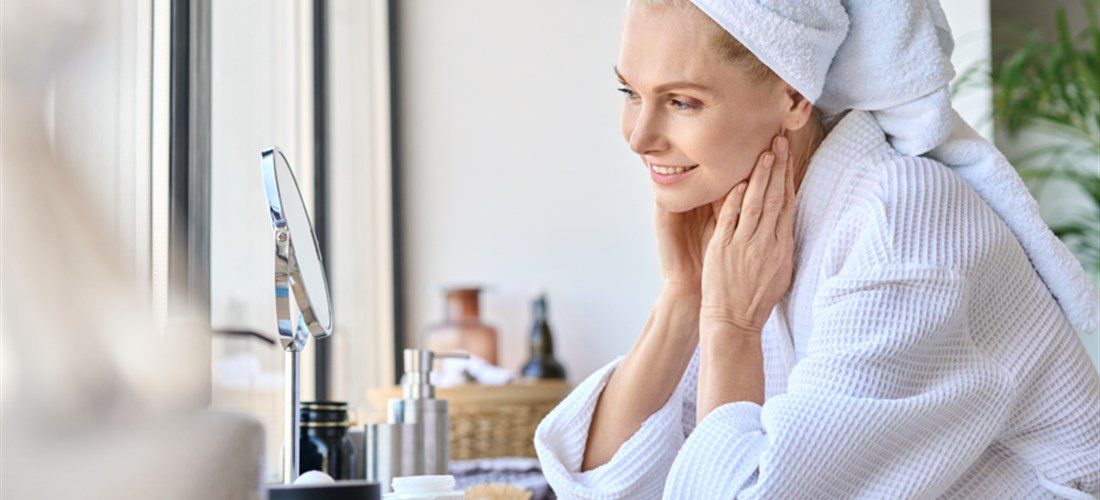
x,y
742,186
768,159
781,145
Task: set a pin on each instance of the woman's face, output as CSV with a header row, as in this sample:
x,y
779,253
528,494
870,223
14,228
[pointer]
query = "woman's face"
x,y
687,105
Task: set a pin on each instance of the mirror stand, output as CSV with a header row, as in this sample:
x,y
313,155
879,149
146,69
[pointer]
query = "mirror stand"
x,y
306,277
292,403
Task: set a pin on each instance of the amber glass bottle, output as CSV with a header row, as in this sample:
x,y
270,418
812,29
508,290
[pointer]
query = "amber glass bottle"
x,y
461,328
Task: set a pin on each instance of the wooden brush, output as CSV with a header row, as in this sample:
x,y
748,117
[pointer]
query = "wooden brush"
x,y
497,491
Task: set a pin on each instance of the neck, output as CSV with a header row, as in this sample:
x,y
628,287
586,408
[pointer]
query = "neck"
x,y
804,142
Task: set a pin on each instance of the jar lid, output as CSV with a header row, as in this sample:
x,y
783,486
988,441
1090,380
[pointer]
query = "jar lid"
x,y
325,405
424,484
325,414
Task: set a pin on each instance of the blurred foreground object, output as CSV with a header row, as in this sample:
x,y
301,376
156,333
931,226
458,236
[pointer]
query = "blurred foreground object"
x,y
95,401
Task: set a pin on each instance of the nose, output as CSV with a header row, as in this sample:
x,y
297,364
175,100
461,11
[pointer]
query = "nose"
x,y
647,135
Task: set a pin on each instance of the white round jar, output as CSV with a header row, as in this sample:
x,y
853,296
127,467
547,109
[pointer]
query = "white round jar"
x,y
425,488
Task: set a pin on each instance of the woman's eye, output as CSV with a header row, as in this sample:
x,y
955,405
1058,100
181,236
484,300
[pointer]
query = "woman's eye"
x,y
628,93
681,105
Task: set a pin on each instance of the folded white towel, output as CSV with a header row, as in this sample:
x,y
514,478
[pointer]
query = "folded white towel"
x,y
893,58
994,179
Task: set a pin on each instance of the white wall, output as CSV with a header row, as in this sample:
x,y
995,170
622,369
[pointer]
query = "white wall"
x,y
515,174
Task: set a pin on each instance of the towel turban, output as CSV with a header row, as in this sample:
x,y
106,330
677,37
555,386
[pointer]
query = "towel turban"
x,y
893,58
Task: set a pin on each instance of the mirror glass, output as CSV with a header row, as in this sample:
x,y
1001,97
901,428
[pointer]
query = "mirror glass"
x,y
304,245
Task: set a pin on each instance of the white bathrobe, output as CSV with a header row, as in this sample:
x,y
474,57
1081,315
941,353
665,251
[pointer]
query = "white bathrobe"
x,y
917,355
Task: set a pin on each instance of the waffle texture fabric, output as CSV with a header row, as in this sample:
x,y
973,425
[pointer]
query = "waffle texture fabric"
x,y
918,354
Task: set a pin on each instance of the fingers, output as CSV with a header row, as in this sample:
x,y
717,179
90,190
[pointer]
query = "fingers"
x,y
785,226
729,214
774,195
790,169
753,206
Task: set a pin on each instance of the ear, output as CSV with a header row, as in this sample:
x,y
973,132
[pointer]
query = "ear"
x,y
797,109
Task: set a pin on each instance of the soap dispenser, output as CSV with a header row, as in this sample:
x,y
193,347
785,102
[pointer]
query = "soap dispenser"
x,y
418,405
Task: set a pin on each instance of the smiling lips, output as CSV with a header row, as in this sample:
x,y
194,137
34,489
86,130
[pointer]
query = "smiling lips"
x,y
667,174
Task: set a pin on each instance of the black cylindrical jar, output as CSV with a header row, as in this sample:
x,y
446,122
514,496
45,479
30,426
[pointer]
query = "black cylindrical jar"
x,y
324,443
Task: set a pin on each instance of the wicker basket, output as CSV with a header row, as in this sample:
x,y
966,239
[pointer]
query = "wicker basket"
x,y
492,421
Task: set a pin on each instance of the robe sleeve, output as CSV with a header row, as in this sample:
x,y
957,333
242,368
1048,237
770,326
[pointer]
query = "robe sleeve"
x,y
639,468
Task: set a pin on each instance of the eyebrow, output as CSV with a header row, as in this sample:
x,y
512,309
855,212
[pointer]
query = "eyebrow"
x,y
666,86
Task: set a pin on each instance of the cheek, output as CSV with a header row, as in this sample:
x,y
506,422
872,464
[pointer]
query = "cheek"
x,y
722,150
730,149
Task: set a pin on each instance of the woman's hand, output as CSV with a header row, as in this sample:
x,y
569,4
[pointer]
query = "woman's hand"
x,y
750,255
681,242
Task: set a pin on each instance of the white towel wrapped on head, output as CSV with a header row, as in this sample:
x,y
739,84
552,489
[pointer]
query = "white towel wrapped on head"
x,y
893,58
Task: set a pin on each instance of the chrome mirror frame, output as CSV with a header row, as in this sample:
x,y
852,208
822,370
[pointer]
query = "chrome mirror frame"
x,y
288,278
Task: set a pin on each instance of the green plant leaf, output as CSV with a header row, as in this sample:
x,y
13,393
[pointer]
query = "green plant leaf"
x,y
1054,85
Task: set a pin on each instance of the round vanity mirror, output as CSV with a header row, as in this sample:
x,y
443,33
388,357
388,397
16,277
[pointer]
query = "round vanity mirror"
x,y
298,267
297,250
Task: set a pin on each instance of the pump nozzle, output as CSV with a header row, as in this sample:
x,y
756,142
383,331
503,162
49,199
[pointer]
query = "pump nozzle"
x,y
418,368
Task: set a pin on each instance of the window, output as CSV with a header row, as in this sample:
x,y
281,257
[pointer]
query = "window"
x,y
168,115
264,91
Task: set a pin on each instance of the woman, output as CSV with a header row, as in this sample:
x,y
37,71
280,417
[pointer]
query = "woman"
x,y
840,316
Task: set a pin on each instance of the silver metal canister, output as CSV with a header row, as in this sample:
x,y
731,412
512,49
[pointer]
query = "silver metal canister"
x,y
391,452
432,421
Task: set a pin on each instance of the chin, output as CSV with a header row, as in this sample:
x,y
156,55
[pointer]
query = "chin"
x,y
677,204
